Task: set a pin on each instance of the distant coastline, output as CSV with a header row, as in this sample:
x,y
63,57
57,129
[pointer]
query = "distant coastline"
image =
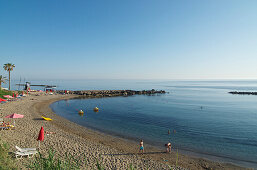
x,y
243,93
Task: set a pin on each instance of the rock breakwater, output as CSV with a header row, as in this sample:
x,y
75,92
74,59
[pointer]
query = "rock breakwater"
x,y
111,93
243,93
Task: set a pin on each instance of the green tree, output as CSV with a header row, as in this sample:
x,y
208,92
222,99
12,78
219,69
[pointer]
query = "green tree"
x,y
9,67
2,80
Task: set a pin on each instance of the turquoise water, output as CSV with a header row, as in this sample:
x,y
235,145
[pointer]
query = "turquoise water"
x,y
208,121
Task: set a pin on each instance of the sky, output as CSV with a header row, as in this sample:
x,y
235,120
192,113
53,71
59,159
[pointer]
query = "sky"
x,y
129,39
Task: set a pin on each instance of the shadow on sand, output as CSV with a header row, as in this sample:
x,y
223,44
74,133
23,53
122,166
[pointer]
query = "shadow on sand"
x,y
146,153
38,119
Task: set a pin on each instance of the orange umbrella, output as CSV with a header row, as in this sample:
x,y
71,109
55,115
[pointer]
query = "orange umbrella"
x,y
41,135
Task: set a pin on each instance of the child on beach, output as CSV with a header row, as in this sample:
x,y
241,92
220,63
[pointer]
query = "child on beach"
x,y
141,146
168,147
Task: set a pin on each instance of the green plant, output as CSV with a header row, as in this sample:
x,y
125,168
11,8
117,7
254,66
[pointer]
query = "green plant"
x,y
52,163
99,165
4,92
177,159
6,161
9,67
131,167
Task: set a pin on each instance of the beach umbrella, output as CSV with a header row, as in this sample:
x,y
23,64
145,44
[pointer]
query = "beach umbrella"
x,y
8,96
14,116
41,135
2,100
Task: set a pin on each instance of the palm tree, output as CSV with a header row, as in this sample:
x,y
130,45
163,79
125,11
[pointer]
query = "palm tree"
x,y
9,67
2,80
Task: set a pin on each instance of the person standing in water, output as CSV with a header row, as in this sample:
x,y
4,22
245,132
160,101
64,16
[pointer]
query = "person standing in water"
x,y
141,146
168,147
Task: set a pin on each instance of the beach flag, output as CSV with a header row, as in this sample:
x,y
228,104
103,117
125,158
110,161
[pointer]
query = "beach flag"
x,y
40,136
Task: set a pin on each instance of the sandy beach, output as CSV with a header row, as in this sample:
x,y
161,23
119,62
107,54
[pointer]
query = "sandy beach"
x,y
113,152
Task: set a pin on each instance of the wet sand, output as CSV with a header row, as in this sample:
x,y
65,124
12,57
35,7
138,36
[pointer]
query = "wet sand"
x,y
113,152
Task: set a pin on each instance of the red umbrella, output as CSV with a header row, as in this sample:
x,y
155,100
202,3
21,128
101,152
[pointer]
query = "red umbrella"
x,y
41,135
2,100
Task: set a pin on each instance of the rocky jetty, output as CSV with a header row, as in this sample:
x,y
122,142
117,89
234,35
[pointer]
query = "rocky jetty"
x,y
110,93
243,93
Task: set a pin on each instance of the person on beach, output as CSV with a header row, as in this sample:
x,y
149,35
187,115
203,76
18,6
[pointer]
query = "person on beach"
x,y
48,133
141,146
168,147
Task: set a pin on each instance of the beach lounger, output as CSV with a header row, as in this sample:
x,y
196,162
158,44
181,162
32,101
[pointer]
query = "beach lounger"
x,y
7,127
27,154
25,149
4,128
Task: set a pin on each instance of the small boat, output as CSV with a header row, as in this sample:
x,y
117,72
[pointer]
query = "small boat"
x,y
46,118
96,109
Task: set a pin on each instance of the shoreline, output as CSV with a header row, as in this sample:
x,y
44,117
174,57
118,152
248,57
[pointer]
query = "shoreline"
x,y
116,151
130,140
187,152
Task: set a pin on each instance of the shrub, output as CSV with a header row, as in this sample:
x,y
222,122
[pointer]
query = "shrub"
x,y
6,161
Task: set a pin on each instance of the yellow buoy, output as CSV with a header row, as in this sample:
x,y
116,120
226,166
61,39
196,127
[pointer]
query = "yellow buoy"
x,y
81,112
96,109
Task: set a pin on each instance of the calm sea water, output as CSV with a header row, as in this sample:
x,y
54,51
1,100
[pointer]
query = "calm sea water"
x,y
208,121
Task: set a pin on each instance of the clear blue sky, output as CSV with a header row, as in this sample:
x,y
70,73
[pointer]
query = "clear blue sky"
x,y
129,39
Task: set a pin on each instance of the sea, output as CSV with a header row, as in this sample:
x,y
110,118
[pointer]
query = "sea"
x,y
204,120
